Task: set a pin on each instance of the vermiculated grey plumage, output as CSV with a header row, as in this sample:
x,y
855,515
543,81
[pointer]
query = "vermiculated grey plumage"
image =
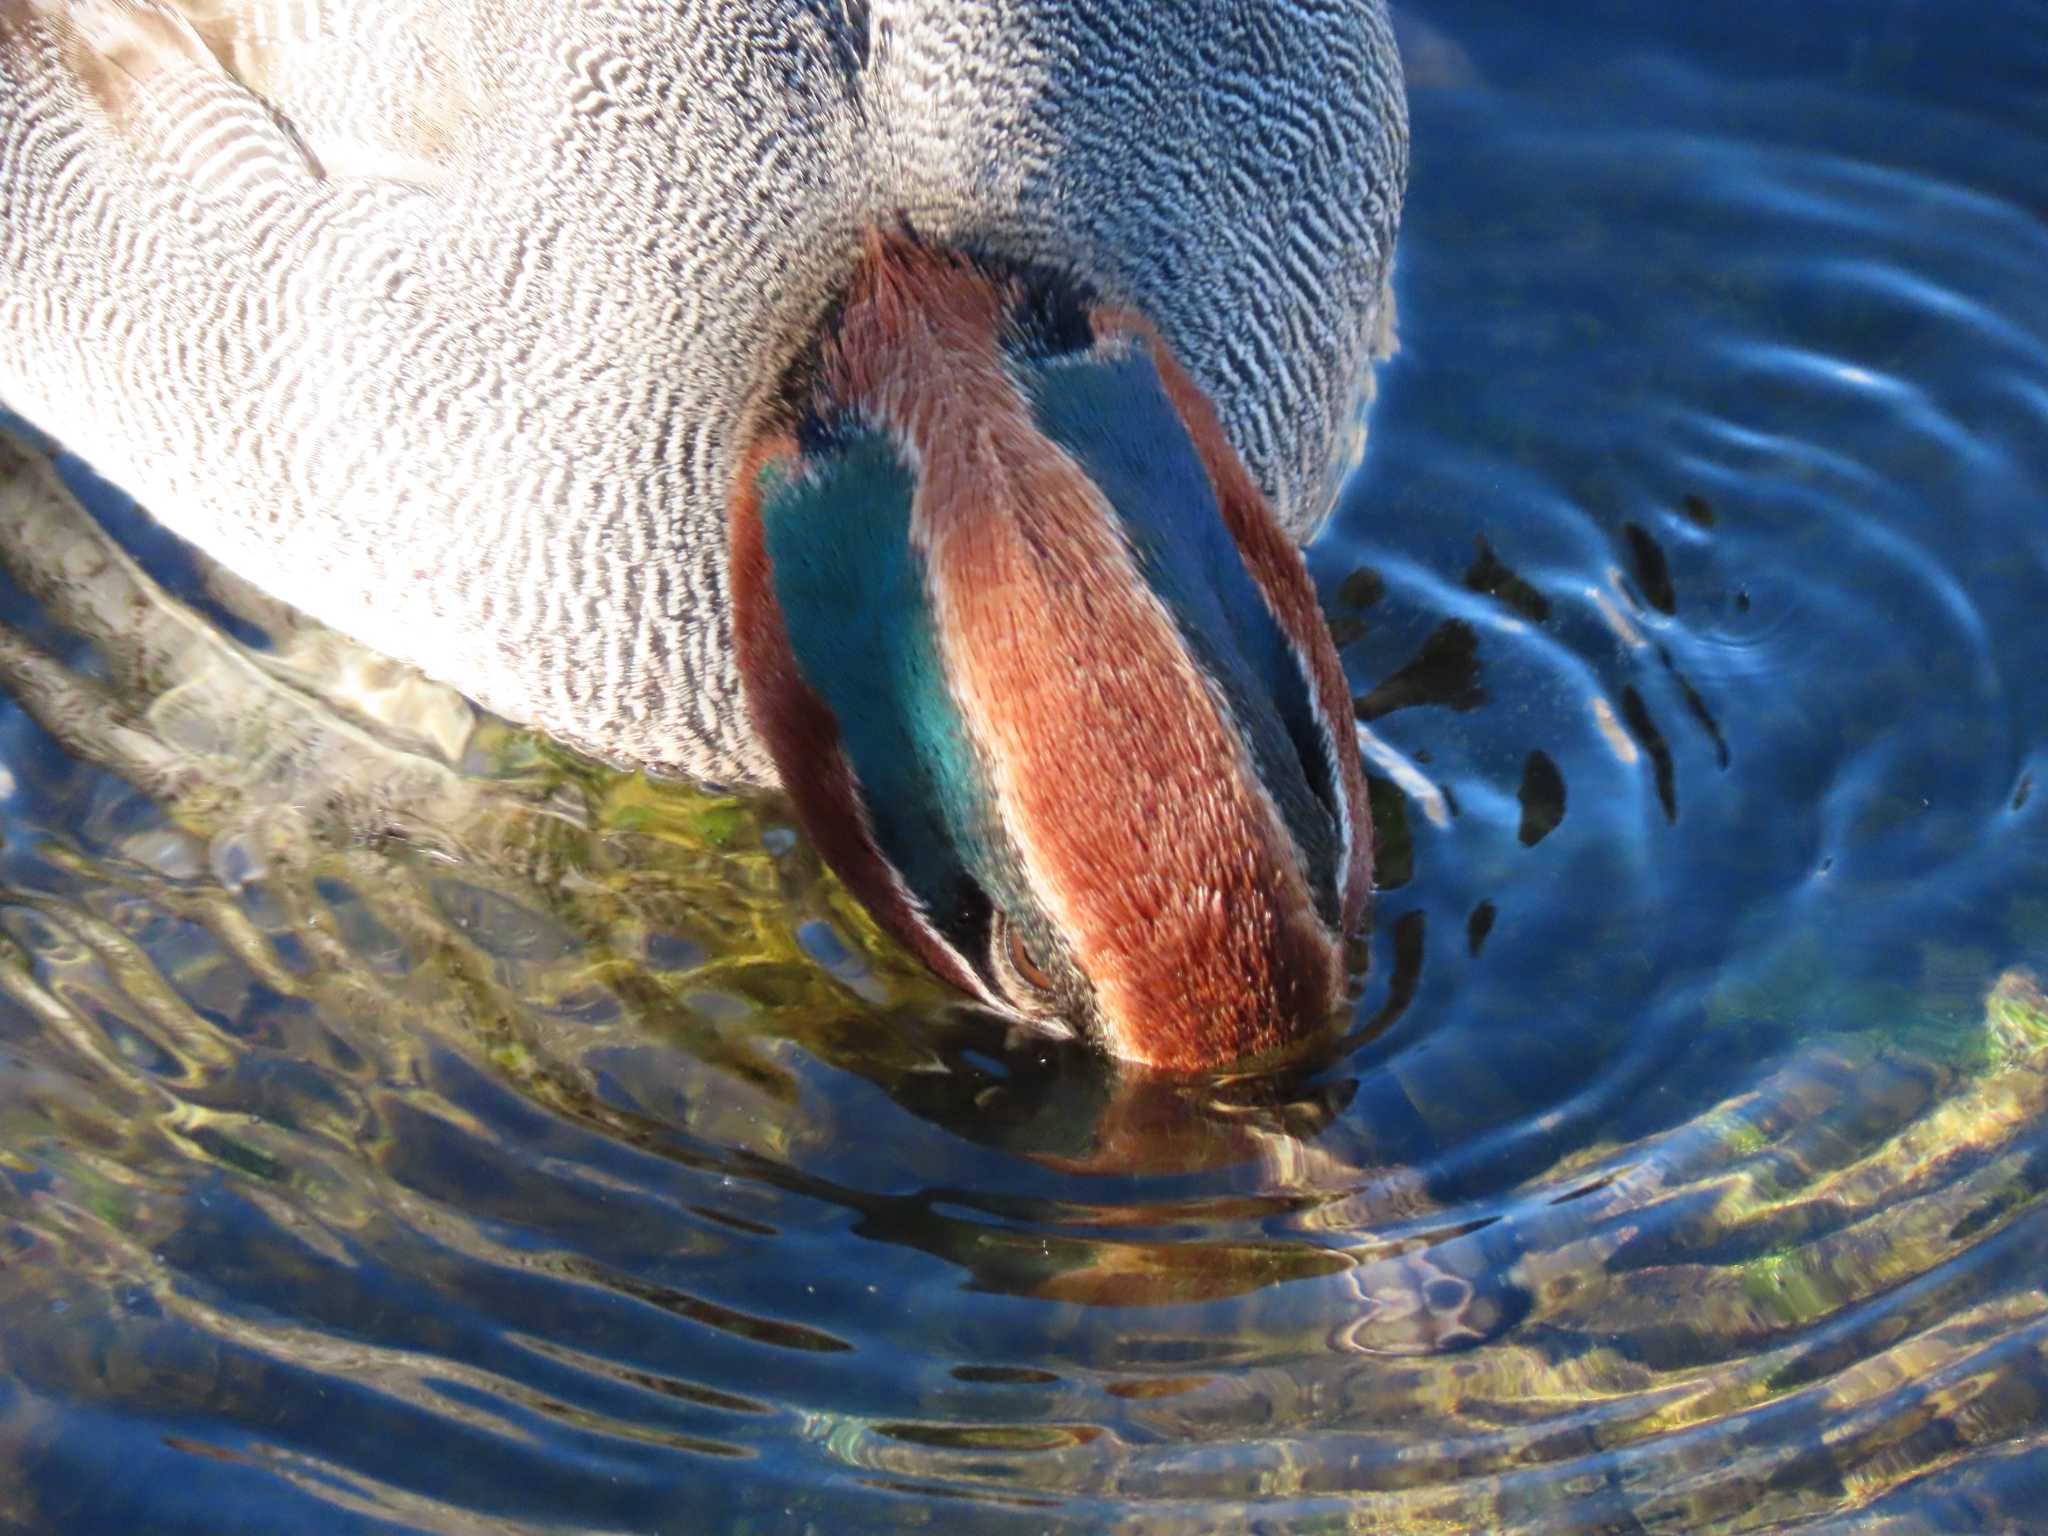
x,y
441,321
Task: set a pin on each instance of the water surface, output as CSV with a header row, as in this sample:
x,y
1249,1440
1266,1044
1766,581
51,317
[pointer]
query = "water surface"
x,y
407,1127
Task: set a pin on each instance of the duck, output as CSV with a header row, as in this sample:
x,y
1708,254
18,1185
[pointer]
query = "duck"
x,y
917,407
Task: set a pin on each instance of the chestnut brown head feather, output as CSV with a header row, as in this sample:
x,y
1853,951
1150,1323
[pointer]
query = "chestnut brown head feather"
x,y
1115,808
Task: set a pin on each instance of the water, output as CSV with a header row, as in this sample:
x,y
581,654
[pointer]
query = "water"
x,y
404,1126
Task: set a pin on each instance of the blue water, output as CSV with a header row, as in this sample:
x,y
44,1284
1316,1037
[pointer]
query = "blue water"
x,y
406,1127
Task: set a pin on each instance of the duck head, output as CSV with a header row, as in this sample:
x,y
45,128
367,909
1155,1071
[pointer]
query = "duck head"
x,y
1045,679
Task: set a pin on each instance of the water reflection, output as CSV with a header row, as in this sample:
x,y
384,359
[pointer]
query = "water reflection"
x,y
404,1125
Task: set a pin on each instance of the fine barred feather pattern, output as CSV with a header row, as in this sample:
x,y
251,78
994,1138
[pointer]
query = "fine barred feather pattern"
x,y
442,321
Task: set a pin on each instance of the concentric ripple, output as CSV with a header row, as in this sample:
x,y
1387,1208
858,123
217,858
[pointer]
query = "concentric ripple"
x,y
406,1126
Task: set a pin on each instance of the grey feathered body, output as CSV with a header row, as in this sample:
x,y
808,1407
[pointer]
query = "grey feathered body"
x,y
440,319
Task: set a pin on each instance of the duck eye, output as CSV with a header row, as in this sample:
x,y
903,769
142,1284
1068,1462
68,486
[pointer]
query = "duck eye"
x,y
1022,961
